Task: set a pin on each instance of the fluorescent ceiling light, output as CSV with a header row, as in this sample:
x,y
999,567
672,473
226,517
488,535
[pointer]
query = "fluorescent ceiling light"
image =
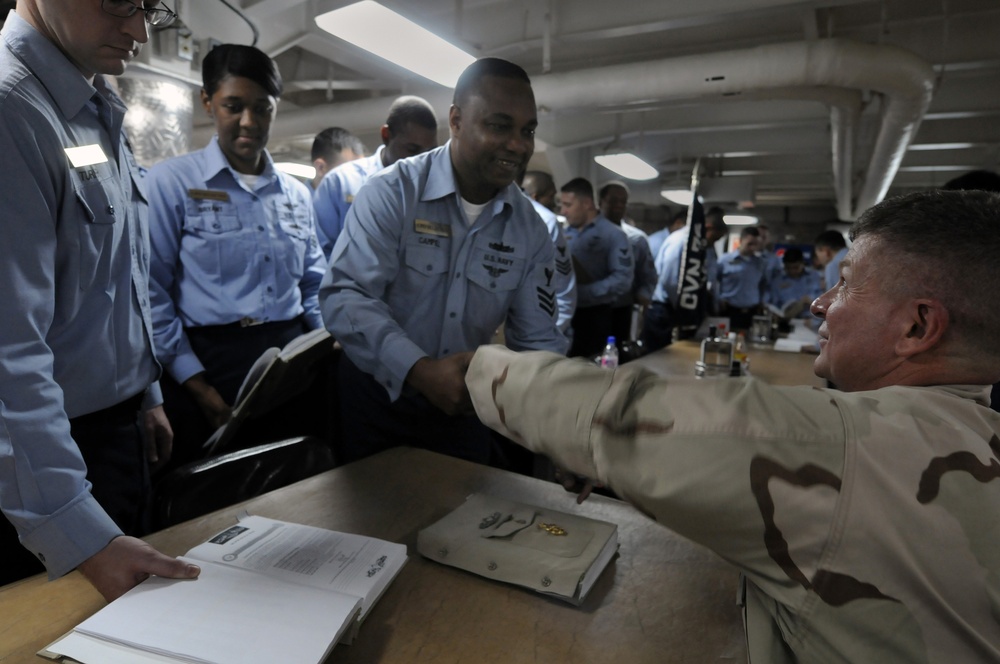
x,y
399,40
678,196
917,147
298,170
739,219
627,165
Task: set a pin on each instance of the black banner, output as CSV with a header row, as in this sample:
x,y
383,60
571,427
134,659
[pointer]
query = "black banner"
x,y
692,293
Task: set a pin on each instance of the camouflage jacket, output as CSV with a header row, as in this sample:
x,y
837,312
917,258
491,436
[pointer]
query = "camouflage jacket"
x,y
867,524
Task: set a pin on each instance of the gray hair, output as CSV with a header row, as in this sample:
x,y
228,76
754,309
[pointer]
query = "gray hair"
x,y
943,245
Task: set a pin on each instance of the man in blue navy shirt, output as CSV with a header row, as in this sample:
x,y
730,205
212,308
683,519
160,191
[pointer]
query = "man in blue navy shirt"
x,y
661,318
602,260
78,359
437,252
410,129
740,280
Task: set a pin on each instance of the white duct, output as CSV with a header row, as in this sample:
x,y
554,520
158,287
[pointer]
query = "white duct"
x,y
905,81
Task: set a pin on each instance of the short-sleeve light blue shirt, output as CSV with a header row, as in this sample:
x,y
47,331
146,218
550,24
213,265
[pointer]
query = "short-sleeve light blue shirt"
x,y
644,279
740,279
410,278
565,279
656,241
783,289
668,267
76,332
335,193
223,251
603,259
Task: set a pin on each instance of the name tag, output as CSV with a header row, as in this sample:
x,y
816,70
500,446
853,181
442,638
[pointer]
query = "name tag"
x,y
208,195
86,155
425,227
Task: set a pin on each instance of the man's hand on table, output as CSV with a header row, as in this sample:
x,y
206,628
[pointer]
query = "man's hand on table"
x,y
581,486
126,561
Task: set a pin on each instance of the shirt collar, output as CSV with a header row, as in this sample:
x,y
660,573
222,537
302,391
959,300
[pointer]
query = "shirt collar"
x,y
60,77
441,180
216,163
978,393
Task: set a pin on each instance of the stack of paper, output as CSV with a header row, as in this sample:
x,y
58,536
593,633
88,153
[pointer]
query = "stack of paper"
x,y
269,591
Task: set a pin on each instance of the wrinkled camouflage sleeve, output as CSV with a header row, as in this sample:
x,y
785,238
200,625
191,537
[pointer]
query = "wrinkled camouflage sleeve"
x,y
723,462
865,522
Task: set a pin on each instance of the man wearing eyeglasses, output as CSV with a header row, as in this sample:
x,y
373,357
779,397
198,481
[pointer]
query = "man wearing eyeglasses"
x,y
77,364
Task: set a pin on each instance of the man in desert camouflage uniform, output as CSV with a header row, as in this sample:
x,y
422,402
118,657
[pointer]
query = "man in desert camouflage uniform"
x,y
864,519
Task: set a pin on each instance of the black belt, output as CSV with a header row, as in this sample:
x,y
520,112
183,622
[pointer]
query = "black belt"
x,y
247,321
123,411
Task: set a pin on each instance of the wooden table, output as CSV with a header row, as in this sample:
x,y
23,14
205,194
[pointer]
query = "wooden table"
x,y
774,367
662,600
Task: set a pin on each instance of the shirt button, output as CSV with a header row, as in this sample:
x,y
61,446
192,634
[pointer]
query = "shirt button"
x,y
267,259
458,274
111,209
429,267
270,290
452,314
493,284
446,351
260,228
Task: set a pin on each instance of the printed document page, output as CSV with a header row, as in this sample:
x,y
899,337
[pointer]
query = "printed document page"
x,y
352,564
226,615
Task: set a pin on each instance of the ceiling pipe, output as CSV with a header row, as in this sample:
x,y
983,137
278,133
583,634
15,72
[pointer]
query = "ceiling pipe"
x,y
905,81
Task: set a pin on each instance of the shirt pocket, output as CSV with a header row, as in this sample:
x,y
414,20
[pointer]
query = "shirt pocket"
x,y
99,230
426,256
495,270
295,222
210,218
214,240
296,227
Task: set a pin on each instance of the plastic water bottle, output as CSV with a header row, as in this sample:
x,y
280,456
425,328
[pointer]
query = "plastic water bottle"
x,y
609,358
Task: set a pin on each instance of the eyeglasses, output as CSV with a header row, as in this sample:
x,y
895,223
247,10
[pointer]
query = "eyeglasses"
x,y
158,16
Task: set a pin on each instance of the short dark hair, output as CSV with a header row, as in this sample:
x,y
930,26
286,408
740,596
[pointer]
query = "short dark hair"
x,y
831,239
240,60
411,110
332,140
982,180
751,231
473,75
579,187
793,255
715,217
538,183
943,244
612,183
715,211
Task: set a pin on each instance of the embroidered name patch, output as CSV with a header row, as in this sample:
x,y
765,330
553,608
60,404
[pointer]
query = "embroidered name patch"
x,y
208,195
425,227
